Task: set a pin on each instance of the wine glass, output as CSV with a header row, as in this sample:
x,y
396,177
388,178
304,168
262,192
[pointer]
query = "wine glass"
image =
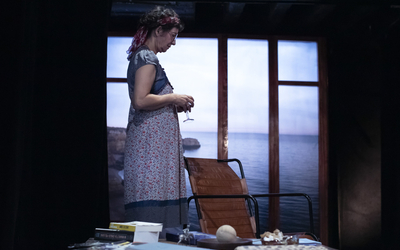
x,y
188,119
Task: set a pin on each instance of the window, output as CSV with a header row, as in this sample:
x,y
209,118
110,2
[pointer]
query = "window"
x,y
191,67
248,113
298,154
297,61
298,130
117,116
276,116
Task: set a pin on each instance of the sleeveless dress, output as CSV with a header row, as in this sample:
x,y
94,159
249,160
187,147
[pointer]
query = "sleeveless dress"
x,y
154,173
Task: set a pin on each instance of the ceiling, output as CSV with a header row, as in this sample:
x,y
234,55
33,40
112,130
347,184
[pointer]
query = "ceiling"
x,y
308,17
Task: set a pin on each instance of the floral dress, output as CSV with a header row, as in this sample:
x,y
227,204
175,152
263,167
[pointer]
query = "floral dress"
x,y
154,173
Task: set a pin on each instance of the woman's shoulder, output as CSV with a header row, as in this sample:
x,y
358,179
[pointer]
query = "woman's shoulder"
x,y
146,56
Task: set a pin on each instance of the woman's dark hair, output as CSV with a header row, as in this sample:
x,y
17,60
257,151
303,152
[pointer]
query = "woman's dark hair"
x,y
151,20
159,16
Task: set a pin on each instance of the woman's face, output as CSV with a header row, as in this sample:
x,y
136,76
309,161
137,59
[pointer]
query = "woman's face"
x,y
166,39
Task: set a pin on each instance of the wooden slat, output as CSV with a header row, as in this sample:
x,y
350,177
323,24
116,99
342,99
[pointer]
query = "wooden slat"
x,y
222,97
114,79
220,211
273,134
298,83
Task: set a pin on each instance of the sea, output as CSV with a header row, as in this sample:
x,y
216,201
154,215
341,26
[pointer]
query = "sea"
x,y
298,167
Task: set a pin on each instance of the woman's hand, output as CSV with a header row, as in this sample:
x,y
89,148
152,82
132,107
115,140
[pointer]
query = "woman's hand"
x,y
179,109
184,102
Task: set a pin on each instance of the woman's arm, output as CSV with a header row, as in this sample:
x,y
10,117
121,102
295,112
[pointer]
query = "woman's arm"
x,y
142,99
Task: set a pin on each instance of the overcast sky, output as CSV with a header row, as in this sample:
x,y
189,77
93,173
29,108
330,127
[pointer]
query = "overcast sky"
x,y
192,65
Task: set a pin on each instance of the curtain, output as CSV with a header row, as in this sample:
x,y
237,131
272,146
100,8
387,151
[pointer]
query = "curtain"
x,y
54,149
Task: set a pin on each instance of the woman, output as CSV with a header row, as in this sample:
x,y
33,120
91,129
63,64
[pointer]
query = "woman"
x,y
155,188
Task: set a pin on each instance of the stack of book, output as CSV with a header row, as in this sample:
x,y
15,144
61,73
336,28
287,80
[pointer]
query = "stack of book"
x,y
107,234
135,231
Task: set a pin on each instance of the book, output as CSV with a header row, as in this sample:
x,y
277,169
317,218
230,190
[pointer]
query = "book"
x,y
113,235
135,226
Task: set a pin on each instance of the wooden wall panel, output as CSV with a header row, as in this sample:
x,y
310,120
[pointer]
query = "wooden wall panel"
x,y
323,141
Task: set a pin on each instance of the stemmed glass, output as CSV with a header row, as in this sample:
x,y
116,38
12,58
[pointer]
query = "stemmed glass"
x,y
188,119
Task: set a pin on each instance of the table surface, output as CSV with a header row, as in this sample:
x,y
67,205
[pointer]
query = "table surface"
x,y
261,247
163,244
171,245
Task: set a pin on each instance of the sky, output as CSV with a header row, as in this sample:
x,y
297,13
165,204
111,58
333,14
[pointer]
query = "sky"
x,y
192,68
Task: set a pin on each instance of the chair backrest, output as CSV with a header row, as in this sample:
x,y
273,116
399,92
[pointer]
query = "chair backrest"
x,y
210,177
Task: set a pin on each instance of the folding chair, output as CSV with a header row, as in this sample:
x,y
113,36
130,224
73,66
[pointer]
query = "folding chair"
x,y
222,197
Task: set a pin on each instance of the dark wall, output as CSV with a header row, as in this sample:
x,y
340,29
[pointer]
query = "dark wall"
x,y
364,136
355,68
54,169
390,122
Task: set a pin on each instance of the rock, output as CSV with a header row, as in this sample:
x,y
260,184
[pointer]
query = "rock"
x,y
116,140
111,159
190,143
115,183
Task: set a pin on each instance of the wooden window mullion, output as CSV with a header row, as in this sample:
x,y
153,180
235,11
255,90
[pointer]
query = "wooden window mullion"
x,y
273,134
222,97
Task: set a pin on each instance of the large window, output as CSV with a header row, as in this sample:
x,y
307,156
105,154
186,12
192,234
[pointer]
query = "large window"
x,y
248,113
191,67
298,130
275,103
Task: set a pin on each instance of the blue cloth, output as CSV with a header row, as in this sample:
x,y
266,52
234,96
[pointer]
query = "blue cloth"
x,y
144,56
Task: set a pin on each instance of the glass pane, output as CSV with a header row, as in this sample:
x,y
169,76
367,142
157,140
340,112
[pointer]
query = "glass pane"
x,y
192,68
298,155
118,103
297,61
117,63
248,114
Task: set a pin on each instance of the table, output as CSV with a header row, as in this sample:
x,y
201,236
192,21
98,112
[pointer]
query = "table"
x,y
167,245
163,244
254,247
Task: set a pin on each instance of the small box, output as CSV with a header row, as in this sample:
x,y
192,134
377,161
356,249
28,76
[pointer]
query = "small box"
x,y
144,231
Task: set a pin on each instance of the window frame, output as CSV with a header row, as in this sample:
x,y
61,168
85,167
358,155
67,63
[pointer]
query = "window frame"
x,y
274,83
